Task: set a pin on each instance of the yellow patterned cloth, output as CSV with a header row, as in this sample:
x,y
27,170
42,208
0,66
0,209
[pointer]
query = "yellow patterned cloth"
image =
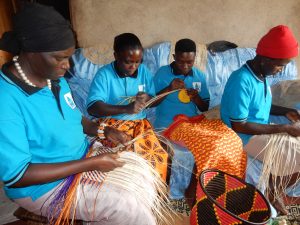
x,y
147,145
212,143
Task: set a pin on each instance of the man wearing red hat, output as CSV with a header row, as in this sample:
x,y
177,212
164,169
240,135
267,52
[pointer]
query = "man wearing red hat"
x,y
247,101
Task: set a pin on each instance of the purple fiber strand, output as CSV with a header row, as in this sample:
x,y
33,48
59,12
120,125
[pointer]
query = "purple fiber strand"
x,y
56,205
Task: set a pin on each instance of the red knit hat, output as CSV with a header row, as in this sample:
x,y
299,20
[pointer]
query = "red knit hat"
x,y
278,43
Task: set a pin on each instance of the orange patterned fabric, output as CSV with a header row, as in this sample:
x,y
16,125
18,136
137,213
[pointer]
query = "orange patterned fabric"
x,y
147,146
212,143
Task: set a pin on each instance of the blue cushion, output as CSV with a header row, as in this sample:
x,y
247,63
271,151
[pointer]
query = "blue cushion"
x,y
157,56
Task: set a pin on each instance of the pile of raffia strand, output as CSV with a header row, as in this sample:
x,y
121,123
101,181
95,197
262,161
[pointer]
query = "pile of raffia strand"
x,y
154,197
279,160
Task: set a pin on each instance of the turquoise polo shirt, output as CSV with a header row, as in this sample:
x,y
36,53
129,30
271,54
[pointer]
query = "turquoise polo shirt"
x,y
246,98
171,106
112,88
36,127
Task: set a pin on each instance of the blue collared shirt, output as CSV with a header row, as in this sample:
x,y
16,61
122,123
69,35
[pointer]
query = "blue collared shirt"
x,y
34,129
171,106
112,89
246,98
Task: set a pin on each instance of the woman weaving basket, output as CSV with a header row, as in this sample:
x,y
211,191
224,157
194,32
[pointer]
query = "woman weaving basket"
x,y
42,140
119,93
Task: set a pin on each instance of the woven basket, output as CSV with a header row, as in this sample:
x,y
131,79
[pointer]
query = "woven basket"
x,y
225,199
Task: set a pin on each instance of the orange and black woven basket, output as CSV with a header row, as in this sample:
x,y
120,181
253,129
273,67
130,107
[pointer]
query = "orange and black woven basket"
x,y
226,199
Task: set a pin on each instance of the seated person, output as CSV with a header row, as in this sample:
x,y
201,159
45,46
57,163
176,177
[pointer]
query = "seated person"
x,y
42,140
247,102
118,95
180,74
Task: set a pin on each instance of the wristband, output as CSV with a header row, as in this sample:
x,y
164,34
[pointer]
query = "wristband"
x,y
100,131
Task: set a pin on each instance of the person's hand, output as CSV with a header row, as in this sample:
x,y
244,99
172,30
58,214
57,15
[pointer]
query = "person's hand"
x,y
176,84
294,130
142,97
293,116
139,103
105,162
192,93
116,136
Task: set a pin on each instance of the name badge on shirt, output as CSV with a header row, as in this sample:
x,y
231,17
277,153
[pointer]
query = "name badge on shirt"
x,y
69,100
142,88
197,86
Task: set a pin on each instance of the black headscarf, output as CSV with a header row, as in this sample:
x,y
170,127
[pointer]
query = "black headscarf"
x,y
38,28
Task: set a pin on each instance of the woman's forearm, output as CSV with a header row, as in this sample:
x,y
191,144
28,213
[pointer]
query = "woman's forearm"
x,y
280,110
99,109
89,127
45,173
201,105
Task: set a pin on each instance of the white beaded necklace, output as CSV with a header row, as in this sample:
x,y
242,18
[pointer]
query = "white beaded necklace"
x,y
24,77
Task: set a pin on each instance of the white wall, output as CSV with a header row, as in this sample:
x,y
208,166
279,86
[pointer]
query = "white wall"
x,y
240,21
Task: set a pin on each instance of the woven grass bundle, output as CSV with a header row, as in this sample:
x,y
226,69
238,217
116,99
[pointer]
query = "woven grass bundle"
x,y
136,176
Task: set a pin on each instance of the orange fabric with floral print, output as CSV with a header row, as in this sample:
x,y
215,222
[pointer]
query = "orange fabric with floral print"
x,y
147,146
212,143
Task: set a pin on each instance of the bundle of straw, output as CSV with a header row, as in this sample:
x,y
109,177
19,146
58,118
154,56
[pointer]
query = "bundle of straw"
x,y
281,159
128,177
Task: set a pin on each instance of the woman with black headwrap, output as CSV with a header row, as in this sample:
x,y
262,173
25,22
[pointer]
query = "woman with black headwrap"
x,y
42,140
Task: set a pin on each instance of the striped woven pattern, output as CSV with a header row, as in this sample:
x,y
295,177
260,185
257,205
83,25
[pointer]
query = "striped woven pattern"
x,y
226,200
95,177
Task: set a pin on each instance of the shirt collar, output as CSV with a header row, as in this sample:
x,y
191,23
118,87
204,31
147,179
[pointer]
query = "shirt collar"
x,y
253,74
177,73
20,83
121,74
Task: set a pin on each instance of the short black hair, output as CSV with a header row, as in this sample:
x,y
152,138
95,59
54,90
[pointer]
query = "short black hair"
x,y
185,45
126,40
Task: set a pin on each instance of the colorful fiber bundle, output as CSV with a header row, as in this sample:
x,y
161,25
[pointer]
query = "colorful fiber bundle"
x,y
59,209
151,192
226,199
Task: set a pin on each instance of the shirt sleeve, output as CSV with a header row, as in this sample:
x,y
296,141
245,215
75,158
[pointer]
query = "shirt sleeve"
x,y
14,147
98,89
240,96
